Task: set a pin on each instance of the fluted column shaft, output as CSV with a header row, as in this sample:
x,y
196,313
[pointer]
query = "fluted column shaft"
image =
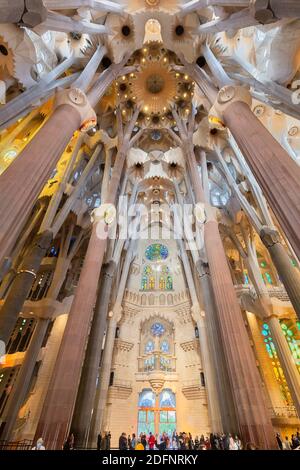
x,y
24,179
227,409
101,396
206,357
104,376
277,174
87,388
56,416
253,418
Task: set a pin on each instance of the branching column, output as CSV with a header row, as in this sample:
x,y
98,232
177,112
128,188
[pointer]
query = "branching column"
x,y
206,356
22,182
114,318
56,416
254,420
277,174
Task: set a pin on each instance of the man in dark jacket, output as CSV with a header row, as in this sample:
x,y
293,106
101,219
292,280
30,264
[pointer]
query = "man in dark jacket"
x,y
123,441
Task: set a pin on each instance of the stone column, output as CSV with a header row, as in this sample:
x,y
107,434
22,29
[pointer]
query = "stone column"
x,y
289,275
227,408
20,389
253,418
114,318
87,389
277,174
286,360
206,357
100,403
24,179
22,283
56,416
58,407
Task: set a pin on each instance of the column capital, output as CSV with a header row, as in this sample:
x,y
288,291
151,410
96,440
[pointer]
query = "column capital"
x,y
104,213
76,98
269,236
227,95
262,11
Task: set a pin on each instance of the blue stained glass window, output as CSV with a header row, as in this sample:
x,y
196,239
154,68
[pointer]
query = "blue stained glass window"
x,y
165,347
167,399
157,329
156,252
149,347
147,399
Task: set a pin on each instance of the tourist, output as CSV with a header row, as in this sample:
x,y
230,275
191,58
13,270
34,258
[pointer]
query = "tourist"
x,y
279,441
151,441
286,445
69,443
196,443
39,444
238,442
143,440
99,439
123,441
133,442
107,440
232,443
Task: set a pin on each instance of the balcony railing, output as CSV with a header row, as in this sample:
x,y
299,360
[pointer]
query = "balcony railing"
x,y
283,412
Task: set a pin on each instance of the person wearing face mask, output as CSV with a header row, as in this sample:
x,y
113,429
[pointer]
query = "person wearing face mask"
x,y
39,444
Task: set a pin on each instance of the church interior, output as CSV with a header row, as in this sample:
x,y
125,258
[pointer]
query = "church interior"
x,y
150,220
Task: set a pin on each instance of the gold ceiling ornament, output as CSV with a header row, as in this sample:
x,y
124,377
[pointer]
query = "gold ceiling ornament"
x,y
157,87
168,6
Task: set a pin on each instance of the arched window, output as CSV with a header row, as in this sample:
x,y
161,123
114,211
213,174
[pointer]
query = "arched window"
x,y
149,347
293,340
277,370
157,414
148,279
146,412
164,346
167,412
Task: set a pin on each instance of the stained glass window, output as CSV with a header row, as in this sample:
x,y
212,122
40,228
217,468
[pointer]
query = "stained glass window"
x,y
268,278
148,279
277,370
164,347
147,399
293,343
157,329
167,399
156,252
149,347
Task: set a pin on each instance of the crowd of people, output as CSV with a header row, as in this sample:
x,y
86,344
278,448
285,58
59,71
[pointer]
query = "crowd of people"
x,y
179,441
289,444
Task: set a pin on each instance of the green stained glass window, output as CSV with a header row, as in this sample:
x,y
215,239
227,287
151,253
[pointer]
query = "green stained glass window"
x,y
277,370
268,278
